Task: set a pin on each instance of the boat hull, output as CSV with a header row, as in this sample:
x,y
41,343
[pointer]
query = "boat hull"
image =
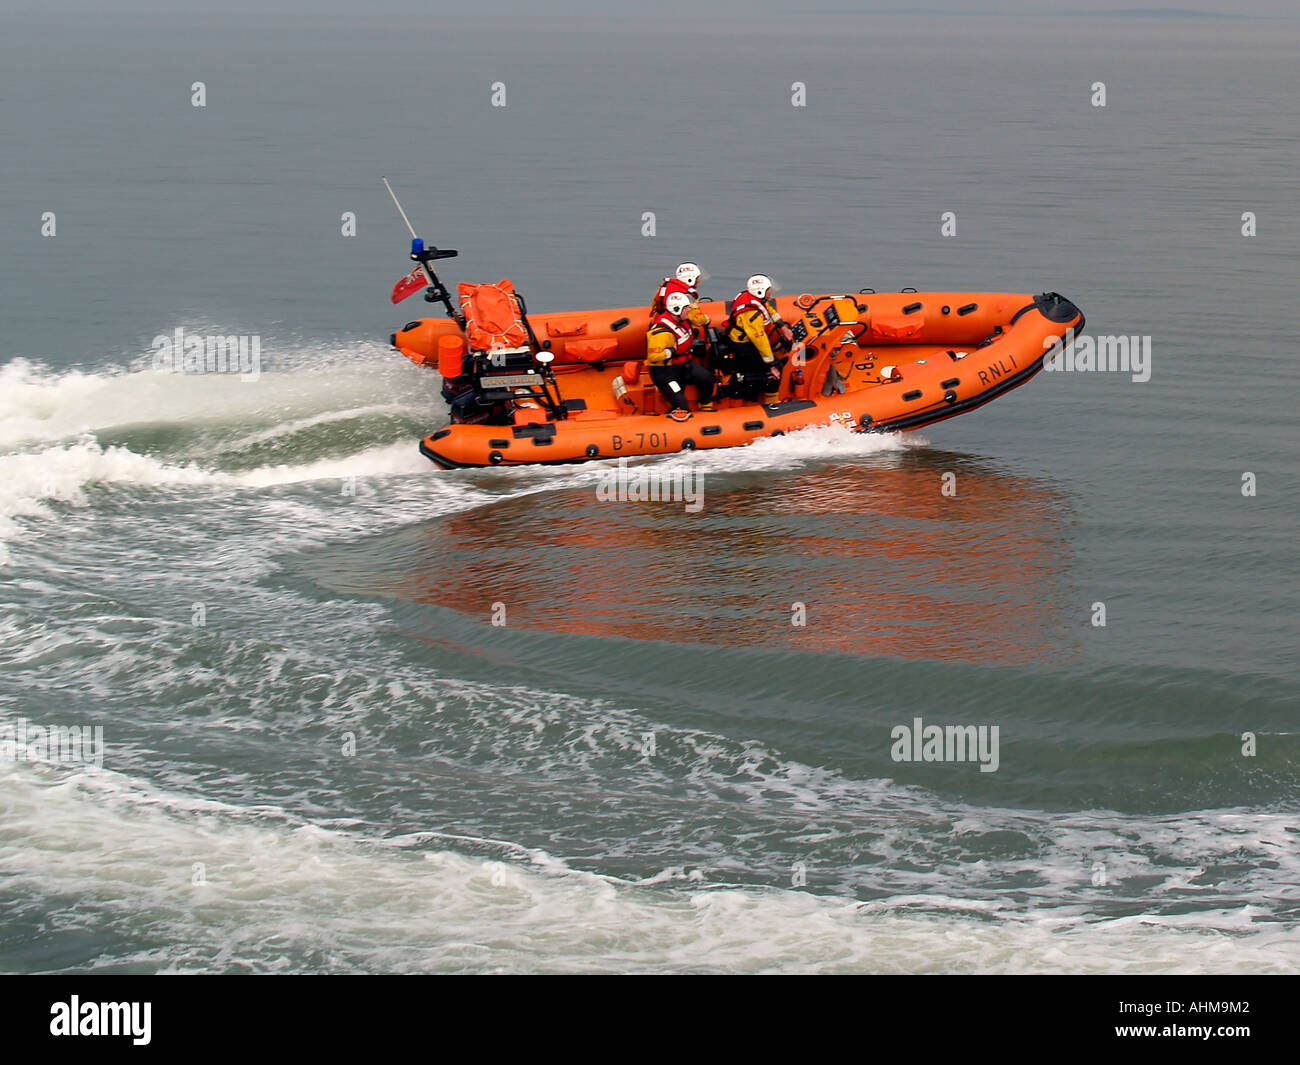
x,y
908,360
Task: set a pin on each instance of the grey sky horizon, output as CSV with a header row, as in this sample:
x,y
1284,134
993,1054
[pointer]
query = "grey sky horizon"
x,y
666,8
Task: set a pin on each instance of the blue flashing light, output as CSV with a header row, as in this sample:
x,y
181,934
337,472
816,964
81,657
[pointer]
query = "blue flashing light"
x,y
417,246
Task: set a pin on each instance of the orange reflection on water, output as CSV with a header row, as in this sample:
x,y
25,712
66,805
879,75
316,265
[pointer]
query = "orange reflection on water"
x,y
884,564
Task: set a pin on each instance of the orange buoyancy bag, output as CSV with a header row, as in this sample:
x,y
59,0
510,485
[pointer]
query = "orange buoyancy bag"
x,y
492,318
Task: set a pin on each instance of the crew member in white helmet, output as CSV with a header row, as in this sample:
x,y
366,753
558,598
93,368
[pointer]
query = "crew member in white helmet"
x,y
755,333
685,279
668,358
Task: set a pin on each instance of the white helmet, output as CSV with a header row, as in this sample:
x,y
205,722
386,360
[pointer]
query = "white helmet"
x,y
689,273
677,302
759,285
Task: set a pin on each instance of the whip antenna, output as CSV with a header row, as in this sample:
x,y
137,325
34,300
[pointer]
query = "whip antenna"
x,y
410,227
437,291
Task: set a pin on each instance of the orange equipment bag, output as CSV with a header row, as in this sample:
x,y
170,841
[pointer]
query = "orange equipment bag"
x,y
492,318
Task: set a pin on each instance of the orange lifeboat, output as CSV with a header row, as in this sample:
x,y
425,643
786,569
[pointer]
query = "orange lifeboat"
x,y
572,386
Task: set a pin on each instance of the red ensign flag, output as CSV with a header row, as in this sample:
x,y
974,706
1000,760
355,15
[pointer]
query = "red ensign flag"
x,y
412,282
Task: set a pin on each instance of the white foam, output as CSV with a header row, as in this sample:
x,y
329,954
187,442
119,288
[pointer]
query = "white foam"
x,y
375,462
60,474
38,405
30,481
49,422
33,399
328,417
272,893
801,447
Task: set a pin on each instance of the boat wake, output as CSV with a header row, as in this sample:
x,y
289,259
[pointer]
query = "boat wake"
x,y
230,890
132,503
62,433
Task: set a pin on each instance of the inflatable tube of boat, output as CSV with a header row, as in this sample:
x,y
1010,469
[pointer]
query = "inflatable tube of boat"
x,y
868,361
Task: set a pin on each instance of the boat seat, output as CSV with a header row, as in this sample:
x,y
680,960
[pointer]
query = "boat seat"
x,y
637,390
815,370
